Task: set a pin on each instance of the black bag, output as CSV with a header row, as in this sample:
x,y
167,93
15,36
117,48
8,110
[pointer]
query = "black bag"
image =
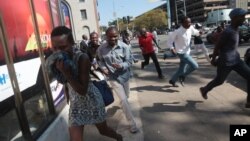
x,y
105,90
247,57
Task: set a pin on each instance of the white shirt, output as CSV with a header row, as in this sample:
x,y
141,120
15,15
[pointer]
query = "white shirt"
x,y
155,35
181,38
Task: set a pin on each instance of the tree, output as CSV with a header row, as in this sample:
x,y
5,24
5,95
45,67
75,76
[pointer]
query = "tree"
x,y
103,28
156,18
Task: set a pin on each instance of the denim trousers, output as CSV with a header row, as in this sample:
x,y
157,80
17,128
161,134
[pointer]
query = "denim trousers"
x,y
223,71
187,65
204,50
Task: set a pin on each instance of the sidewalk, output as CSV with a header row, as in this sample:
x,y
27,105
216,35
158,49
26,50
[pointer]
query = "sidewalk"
x,y
116,120
178,114
181,114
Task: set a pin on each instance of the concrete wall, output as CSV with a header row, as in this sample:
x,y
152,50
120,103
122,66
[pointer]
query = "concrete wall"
x,y
78,22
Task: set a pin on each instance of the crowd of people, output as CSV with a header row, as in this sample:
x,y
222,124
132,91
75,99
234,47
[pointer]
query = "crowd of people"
x,y
113,59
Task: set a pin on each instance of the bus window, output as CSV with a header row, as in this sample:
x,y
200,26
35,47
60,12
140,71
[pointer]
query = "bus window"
x,y
8,118
23,46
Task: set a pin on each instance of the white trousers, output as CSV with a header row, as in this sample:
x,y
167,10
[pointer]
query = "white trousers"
x,y
122,91
204,50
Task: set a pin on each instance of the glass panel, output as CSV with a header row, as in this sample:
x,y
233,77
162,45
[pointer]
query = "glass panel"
x,y
55,12
9,126
66,15
23,47
45,28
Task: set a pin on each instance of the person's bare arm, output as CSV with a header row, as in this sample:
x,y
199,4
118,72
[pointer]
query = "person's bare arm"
x,y
156,43
80,85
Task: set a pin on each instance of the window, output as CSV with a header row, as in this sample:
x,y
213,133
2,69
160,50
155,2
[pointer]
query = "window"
x,y
81,0
66,14
84,14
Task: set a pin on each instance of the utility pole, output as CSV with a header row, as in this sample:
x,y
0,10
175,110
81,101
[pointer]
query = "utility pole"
x,y
176,13
184,6
169,14
114,15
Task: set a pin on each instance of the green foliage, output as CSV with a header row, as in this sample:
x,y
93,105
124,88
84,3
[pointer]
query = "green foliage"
x,y
156,18
103,28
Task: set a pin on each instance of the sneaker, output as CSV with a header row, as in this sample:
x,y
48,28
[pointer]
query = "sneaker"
x,y
182,79
203,93
142,65
161,77
134,129
119,137
247,105
164,57
136,60
173,83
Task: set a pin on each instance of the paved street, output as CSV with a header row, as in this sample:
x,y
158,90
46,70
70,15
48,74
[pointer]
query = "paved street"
x,y
165,113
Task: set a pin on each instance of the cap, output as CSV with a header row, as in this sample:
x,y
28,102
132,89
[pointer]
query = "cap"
x,y
237,12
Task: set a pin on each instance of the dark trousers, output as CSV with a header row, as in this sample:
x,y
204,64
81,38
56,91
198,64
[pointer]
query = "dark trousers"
x,y
155,60
223,71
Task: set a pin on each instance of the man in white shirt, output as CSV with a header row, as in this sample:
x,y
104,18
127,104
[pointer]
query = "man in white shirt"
x,y
181,38
155,35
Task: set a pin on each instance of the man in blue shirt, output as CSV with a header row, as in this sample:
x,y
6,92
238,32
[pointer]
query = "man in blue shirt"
x,y
228,56
115,61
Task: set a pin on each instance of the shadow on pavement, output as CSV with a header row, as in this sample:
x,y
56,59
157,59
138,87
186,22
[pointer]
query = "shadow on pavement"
x,y
154,88
172,107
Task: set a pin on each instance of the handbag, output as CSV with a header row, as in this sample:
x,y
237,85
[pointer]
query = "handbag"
x,y
105,90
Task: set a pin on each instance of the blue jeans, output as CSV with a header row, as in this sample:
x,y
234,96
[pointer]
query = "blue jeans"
x,y
187,65
223,71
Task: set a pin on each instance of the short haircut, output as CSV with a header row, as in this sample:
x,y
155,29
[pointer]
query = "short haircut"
x,y
63,30
84,37
111,28
93,33
184,18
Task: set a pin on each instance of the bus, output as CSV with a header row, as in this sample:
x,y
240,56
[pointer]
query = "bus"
x,y
32,105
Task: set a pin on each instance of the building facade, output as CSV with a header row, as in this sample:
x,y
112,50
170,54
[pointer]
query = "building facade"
x,y
85,19
198,10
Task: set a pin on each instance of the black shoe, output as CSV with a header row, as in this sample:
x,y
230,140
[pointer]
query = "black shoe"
x,y
173,83
182,79
161,77
210,56
142,65
247,105
164,57
203,92
136,60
